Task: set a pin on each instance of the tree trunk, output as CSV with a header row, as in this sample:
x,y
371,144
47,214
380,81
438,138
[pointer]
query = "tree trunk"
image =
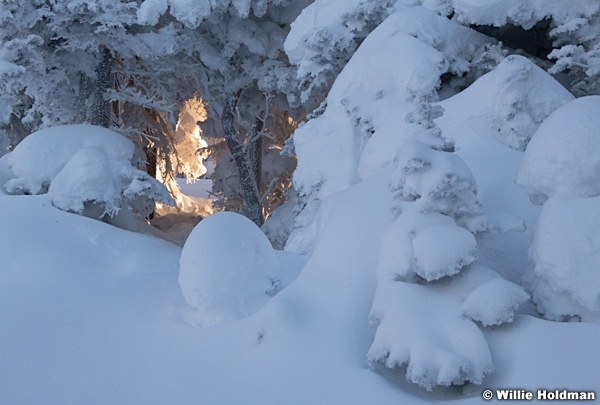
x,y
86,88
236,147
255,146
101,108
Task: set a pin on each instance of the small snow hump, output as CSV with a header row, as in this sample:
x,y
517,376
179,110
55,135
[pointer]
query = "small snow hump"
x,y
228,269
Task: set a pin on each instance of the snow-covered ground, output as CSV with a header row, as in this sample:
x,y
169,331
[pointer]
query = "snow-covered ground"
x,y
416,244
94,314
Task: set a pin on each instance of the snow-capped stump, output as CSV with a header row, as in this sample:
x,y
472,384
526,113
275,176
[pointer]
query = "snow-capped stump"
x,y
443,250
562,157
494,302
85,169
228,269
565,281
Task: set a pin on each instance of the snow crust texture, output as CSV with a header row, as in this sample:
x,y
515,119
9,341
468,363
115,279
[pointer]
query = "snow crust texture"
x,y
228,269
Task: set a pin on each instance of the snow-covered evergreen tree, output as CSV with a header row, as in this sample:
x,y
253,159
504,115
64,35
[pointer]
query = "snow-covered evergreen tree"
x,y
430,240
246,80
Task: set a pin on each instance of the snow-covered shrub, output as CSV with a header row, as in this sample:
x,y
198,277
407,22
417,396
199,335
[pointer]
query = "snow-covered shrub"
x,y
426,318
565,279
228,269
562,157
324,37
84,169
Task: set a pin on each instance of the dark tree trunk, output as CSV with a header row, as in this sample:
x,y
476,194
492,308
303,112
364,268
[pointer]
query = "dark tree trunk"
x,y
151,167
86,88
255,151
101,108
236,147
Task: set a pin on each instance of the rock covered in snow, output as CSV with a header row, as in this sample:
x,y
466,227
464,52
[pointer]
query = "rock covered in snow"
x,y
228,269
562,157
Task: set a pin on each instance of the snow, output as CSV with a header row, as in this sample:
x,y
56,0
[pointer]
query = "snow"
x,y
565,280
562,158
494,302
40,157
442,250
366,102
221,285
525,13
84,169
86,306
449,350
412,272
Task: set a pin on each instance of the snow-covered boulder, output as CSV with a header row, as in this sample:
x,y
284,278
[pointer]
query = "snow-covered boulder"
x,y
563,156
85,169
228,269
565,279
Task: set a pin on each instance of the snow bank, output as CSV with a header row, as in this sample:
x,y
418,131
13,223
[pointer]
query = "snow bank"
x,y
565,281
562,158
228,269
85,169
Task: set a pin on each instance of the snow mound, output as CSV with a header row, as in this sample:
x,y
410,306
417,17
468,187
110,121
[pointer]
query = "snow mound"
x,y
562,158
85,169
228,269
514,99
443,250
43,154
565,281
494,302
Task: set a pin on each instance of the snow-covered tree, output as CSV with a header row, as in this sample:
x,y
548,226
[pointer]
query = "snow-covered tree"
x,y
91,62
426,318
246,81
560,37
359,103
66,53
